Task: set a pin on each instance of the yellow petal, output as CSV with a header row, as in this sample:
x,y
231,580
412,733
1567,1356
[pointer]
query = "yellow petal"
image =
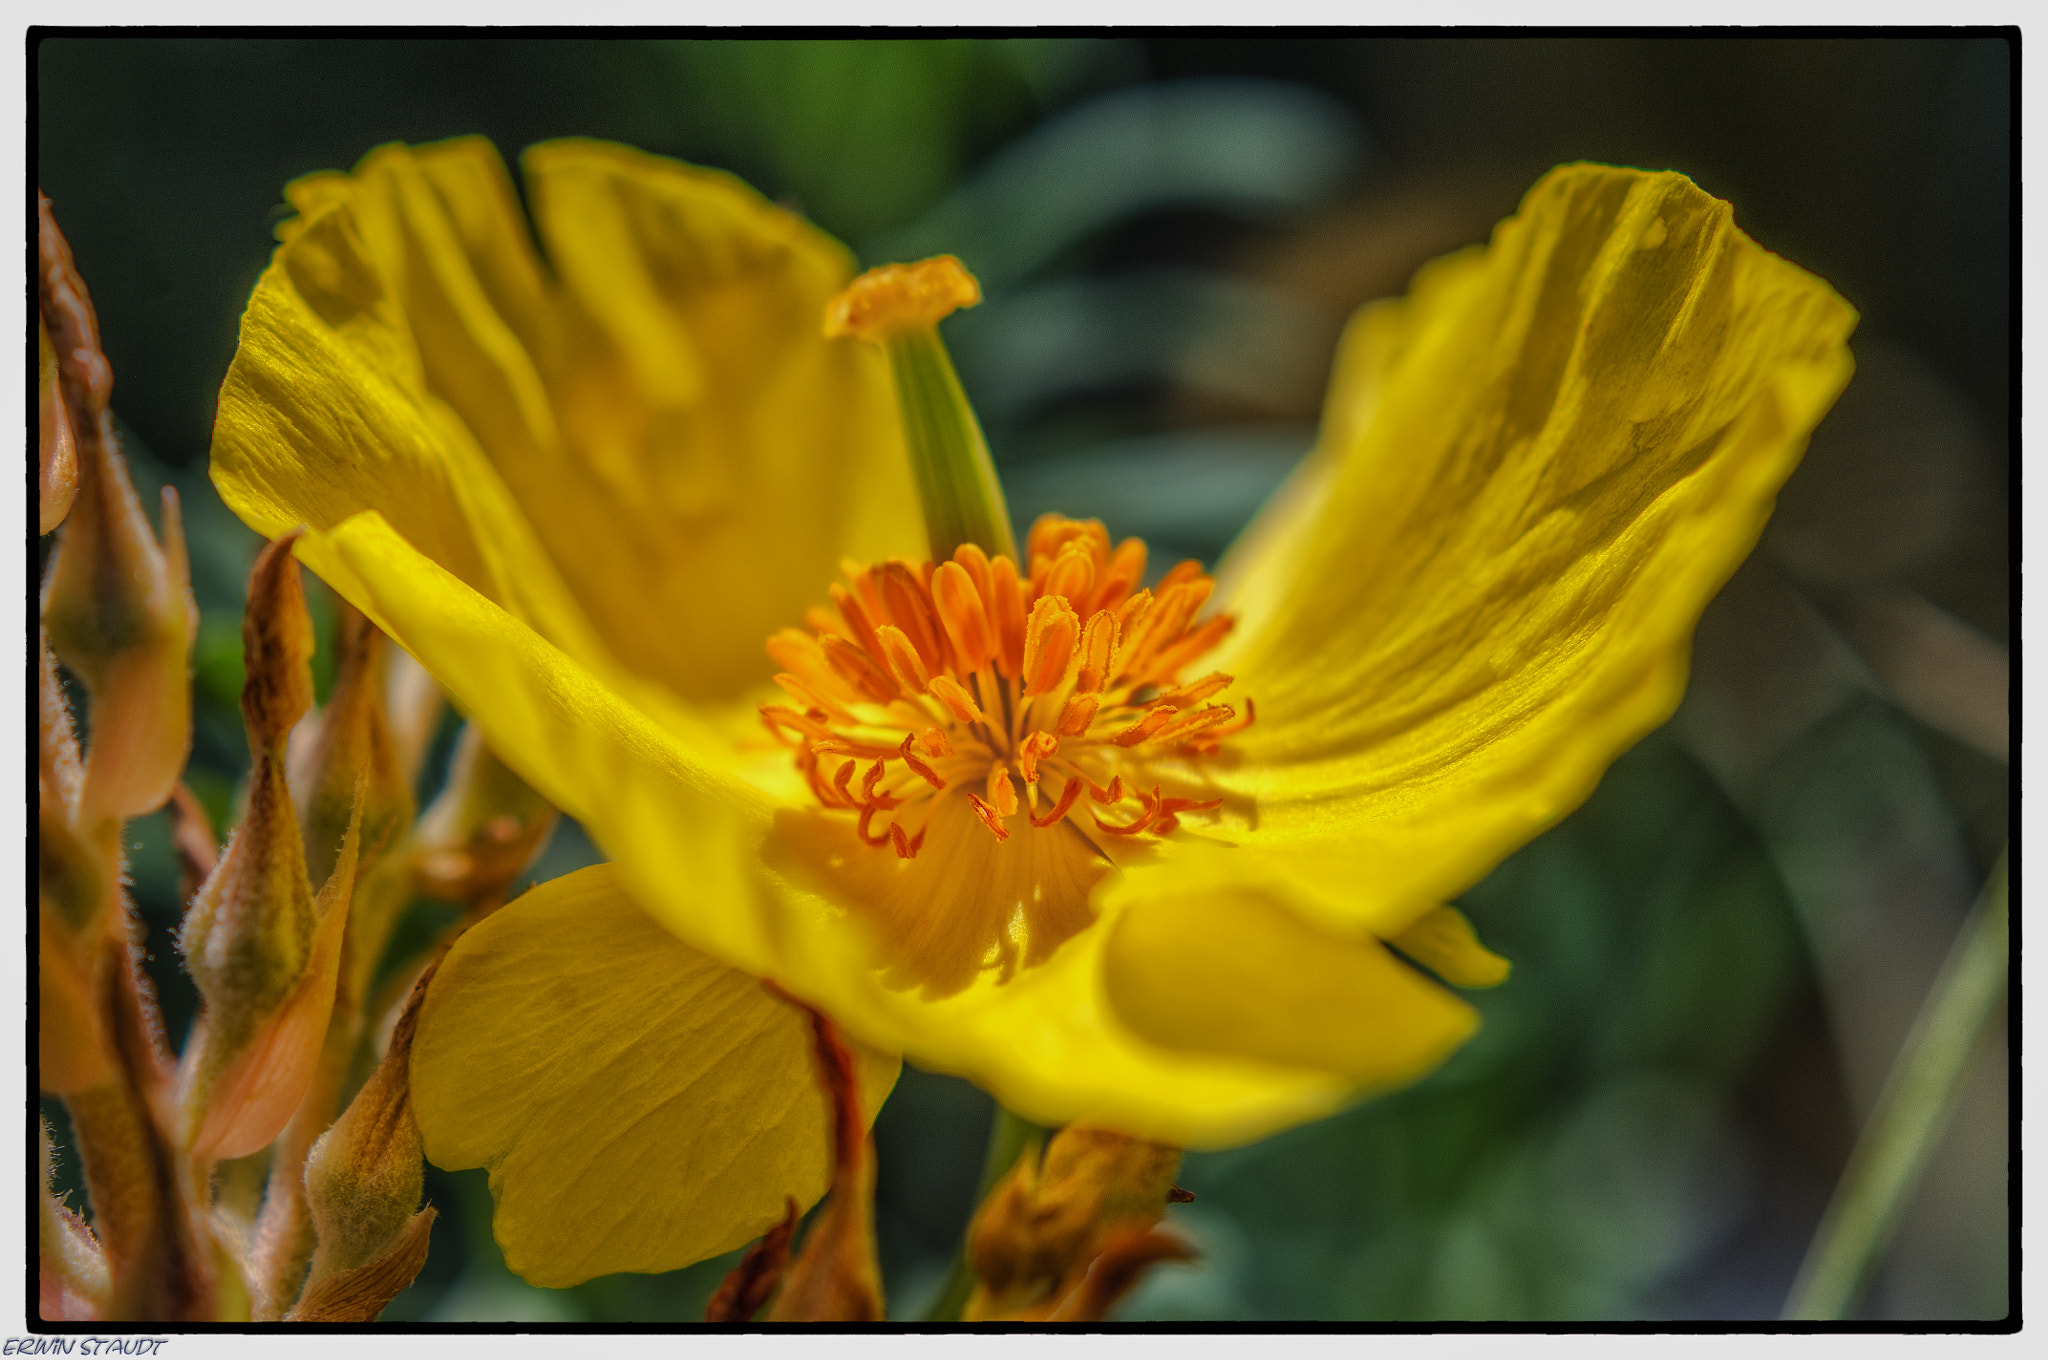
x,y
640,1105
708,857
656,422
329,409
1198,962
721,455
1444,942
1534,473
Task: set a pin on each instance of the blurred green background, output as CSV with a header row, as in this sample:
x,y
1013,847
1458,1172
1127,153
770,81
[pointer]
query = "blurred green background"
x,y
1715,960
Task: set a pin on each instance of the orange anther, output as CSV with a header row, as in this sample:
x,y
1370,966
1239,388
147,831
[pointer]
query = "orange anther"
x,y
910,609
1006,614
1126,568
934,742
1186,570
1190,723
922,770
901,297
905,849
1068,795
843,781
1113,794
957,700
1146,727
860,623
1034,748
989,818
870,785
1001,792
1072,576
960,608
1049,644
1079,712
1050,534
1169,662
860,750
858,669
1192,693
867,817
904,662
1098,647
974,562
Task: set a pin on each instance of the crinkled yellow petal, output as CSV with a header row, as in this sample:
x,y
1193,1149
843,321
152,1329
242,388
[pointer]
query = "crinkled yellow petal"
x,y
640,1105
1535,471
711,858
690,455
722,456
329,409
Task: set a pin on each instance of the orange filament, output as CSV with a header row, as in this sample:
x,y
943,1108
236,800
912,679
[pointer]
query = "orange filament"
x,y
966,677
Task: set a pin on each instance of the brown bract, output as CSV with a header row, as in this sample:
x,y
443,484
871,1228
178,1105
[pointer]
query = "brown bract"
x,y
1069,1235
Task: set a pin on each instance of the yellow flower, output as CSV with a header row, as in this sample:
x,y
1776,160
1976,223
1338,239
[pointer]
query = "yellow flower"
x,y
583,493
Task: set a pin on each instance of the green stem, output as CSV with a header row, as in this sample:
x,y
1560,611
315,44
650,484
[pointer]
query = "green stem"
x,y
956,478
1008,1137
1911,1112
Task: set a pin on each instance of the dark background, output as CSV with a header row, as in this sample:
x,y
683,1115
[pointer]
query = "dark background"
x,y
1715,960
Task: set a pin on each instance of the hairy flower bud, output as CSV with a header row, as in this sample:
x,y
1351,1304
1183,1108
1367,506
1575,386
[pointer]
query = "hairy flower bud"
x,y
351,748
263,952
365,1176
117,603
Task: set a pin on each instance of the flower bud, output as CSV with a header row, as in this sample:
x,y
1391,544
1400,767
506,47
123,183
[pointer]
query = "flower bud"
x,y
365,1176
263,952
350,747
1050,1223
360,1295
117,603
482,831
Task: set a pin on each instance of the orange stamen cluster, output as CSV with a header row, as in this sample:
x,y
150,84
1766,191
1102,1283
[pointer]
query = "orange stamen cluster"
x,y
965,675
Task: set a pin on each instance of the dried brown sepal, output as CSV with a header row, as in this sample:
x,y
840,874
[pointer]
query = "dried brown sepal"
x,y
117,604
835,1276
747,1285
277,646
1039,1231
1121,1260
481,832
361,1294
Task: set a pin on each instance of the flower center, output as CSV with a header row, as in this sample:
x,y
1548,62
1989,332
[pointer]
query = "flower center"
x,y
1040,697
